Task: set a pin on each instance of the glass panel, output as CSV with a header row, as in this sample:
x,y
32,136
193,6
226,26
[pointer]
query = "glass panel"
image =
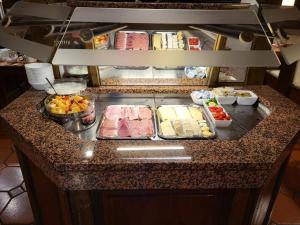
x,y
207,25
284,24
34,29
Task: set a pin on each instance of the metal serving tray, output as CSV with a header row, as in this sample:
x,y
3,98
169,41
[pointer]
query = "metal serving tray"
x,y
149,46
99,137
205,117
185,48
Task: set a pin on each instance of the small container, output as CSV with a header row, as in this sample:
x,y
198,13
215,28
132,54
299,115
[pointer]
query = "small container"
x,y
73,121
196,71
67,86
194,44
243,97
226,100
37,74
216,122
225,95
201,96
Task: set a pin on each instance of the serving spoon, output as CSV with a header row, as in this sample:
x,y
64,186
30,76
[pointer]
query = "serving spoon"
x,y
51,86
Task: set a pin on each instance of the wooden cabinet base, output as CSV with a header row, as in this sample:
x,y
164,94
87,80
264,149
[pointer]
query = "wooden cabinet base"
x,y
144,207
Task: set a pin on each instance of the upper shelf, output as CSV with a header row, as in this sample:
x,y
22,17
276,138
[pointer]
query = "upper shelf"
x,y
22,27
75,47
284,22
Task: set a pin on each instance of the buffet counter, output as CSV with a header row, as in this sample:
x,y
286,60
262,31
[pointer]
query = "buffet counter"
x,y
106,175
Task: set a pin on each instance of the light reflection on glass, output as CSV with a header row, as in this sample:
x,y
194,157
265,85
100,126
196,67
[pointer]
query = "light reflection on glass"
x,y
151,148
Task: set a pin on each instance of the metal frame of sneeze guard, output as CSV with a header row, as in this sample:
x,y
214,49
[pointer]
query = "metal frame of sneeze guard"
x,y
290,54
95,57
36,50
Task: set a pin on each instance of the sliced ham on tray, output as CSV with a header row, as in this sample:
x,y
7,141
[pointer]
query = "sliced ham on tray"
x,y
145,113
121,121
124,128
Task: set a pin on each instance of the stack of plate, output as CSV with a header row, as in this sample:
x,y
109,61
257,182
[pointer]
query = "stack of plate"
x,y
37,74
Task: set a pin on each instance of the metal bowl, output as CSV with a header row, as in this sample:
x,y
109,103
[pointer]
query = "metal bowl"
x,y
74,121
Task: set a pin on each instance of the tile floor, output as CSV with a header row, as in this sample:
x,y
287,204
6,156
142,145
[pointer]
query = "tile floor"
x,y
14,203
287,206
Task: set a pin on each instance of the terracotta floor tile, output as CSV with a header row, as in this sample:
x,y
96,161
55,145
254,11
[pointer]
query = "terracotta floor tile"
x,y
18,211
291,178
10,177
285,191
285,211
2,166
5,143
296,156
12,160
4,153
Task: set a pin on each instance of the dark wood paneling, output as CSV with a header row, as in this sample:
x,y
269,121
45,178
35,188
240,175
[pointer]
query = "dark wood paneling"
x,y
271,81
49,204
164,207
13,82
295,95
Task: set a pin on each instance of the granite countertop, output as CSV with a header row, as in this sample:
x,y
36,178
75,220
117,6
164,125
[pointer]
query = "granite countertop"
x,y
159,5
77,164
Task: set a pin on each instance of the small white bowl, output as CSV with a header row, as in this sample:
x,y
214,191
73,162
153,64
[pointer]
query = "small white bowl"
x,y
246,100
226,100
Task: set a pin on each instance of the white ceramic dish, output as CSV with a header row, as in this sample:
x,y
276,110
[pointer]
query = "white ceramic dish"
x,y
38,72
40,87
246,100
226,100
217,123
68,86
225,95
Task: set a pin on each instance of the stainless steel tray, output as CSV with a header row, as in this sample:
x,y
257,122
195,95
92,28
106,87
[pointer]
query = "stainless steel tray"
x,y
149,46
99,137
185,48
205,117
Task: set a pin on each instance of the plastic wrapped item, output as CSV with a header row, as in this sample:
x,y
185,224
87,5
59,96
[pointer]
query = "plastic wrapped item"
x,y
196,72
199,96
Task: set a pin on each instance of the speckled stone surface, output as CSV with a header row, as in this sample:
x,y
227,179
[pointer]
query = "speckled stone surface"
x,y
76,164
157,5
